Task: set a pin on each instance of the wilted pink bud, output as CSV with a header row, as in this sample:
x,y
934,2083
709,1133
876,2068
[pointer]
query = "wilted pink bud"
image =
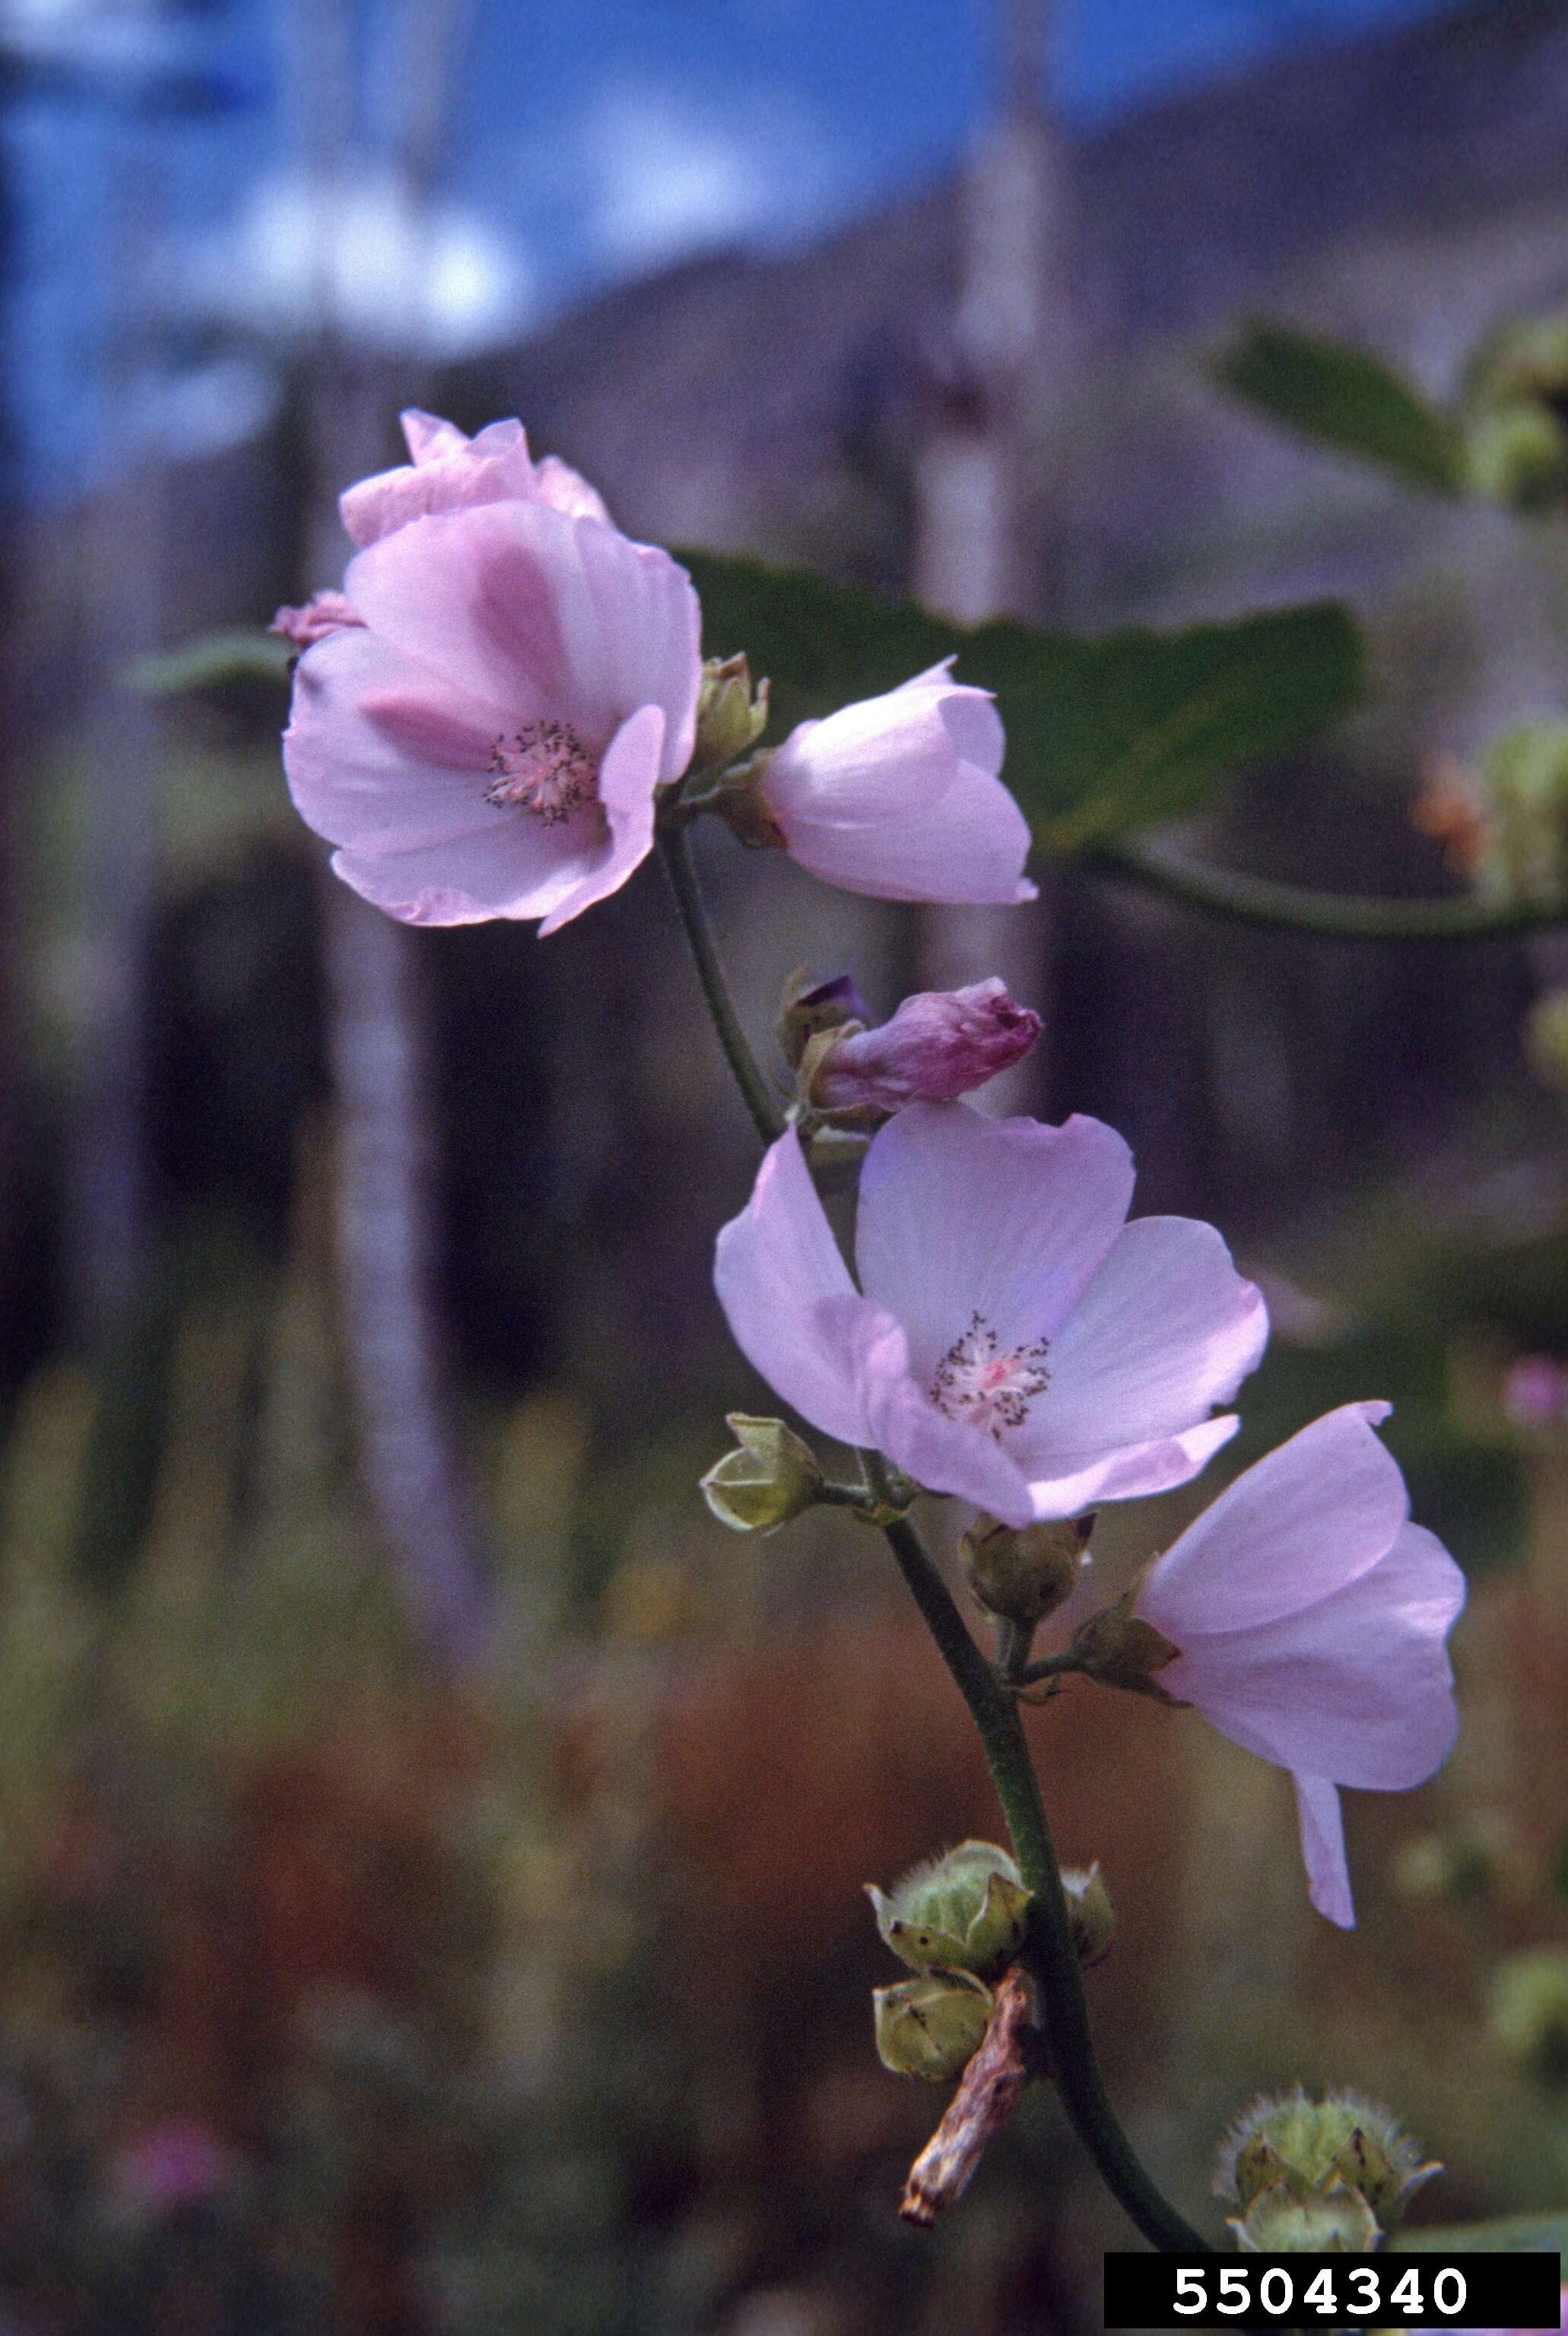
x,y
940,1043
452,471
323,613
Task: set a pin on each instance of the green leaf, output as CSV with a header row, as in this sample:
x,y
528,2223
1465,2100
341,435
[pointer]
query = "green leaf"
x,y
211,661
1514,2235
1344,397
1104,736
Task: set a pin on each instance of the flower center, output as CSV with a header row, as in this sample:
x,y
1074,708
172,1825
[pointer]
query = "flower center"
x,y
544,768
977,1381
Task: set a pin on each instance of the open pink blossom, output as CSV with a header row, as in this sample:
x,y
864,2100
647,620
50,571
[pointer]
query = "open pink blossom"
x,y
1017,1342
452,471
487,742
1311,1615
899,796
940,1043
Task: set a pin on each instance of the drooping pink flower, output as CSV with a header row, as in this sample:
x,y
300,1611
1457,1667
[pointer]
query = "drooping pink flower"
x,y
1017,1342
323,613
452,471
899,796
939,1044
1535,1391
487,742
1310,1616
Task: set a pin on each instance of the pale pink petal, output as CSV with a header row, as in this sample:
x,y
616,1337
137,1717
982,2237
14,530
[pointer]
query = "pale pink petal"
x,y
650,622
1130,1474
1164,1331
522,870
898,796
1359,1685
383,756
565,490
961,1214
448,473
628,776
428,437
775,1265
1323,1849
1311,1517
945,1455
493,599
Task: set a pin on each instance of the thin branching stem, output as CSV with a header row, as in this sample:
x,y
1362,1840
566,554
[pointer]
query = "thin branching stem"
x,y
766,1117
1241,898
1049,1953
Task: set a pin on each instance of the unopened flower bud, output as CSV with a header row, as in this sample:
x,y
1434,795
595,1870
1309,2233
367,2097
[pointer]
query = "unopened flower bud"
x,y
809,1008
931,2026
1119,1649
1337,2221
1517,454
1526,849
1288,2148
939,1044
1021,1575
1090,1912
773,1476
1528,2012
731,716
961,1912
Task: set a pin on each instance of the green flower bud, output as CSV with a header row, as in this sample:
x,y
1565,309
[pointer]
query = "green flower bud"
x,y
1021,1576
960,1912
809,1008
1090,1912
1528,357
1527,2015
730,716
1334,2222
773,1477
1525,853
931,2026
1119,1649
1517,454
1309,2150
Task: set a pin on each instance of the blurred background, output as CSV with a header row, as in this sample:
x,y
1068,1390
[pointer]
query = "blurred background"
x,y
430,1847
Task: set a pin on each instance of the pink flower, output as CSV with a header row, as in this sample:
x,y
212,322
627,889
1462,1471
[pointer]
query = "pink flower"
x,y
1018,1342
940,1043
177,2164
1311,1615
488,741
899,796
1535,1391
323,613
449,472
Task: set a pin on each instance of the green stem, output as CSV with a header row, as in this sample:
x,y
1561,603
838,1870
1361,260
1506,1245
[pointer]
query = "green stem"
x,y
766,1117
1049,1951
1342,916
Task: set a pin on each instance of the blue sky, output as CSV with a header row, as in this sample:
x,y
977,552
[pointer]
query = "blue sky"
x,y
593,140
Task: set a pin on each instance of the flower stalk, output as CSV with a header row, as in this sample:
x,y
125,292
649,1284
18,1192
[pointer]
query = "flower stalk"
x,y
1050,1952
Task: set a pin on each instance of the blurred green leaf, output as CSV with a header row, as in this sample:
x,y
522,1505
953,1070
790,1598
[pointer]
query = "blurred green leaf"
x,y
1104,734
1344,397
1514,2235
211,661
